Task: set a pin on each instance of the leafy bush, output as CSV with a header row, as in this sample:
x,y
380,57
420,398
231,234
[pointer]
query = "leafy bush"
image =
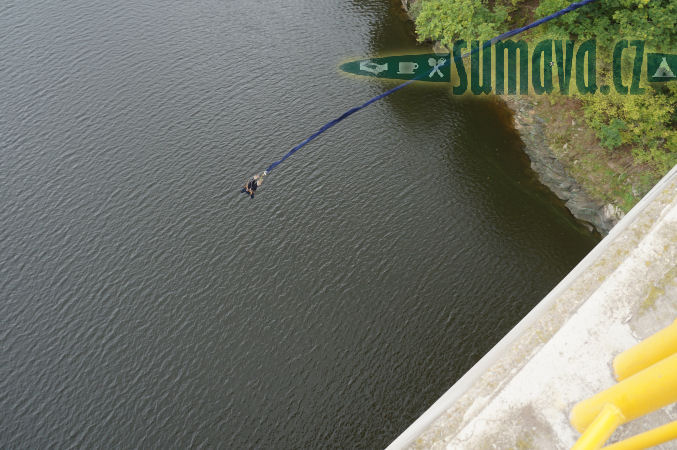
x,y
610,134
451,20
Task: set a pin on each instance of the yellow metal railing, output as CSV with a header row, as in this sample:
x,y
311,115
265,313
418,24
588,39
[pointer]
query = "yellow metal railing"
x,y
651,350
647,439
600,428
647,375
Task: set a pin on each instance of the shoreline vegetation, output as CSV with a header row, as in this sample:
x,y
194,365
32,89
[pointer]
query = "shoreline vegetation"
x,y
598,153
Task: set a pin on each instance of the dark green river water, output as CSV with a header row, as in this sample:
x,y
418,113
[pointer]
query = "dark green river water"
x,y
145,304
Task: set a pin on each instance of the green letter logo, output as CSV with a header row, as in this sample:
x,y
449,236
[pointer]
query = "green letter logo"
x,y
587,48
476,87
542,57
512,47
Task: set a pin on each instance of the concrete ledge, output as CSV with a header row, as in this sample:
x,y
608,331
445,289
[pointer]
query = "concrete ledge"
x,y
520,393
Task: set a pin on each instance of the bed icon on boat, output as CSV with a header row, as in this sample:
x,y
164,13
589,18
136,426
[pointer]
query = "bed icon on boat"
x,y
372,67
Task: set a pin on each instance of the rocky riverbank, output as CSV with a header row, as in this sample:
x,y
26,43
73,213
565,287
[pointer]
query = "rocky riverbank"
x,y
551,171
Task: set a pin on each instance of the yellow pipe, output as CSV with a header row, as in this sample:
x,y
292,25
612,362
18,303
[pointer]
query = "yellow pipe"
x,y
646,391
651,350
609,418
647,439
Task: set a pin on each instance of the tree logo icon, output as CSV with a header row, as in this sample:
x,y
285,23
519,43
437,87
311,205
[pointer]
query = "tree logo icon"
x,y
663,70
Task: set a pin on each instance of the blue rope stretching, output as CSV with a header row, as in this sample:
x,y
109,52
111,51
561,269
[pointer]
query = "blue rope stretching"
x,y
499,38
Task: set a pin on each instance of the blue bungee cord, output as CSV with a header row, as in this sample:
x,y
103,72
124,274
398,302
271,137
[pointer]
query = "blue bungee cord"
x,y
352,111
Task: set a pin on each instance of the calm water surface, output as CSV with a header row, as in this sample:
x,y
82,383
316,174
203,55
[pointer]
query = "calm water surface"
x,y
143,303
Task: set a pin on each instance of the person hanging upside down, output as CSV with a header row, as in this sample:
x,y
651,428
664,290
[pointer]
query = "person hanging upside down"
x,y
253,184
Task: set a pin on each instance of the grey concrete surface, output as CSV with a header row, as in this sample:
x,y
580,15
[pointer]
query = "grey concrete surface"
x,y
520,394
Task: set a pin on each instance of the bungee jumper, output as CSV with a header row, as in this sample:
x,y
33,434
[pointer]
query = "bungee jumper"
x,y
253,184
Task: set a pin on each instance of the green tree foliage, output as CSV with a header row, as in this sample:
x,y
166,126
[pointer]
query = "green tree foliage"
x,y
610,135
643,124
450,20
610,20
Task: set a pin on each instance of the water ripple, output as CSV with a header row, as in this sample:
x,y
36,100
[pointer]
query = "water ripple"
x,y
145,303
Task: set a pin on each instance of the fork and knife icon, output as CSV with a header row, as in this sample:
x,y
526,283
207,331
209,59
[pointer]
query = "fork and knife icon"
x,y
436,65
